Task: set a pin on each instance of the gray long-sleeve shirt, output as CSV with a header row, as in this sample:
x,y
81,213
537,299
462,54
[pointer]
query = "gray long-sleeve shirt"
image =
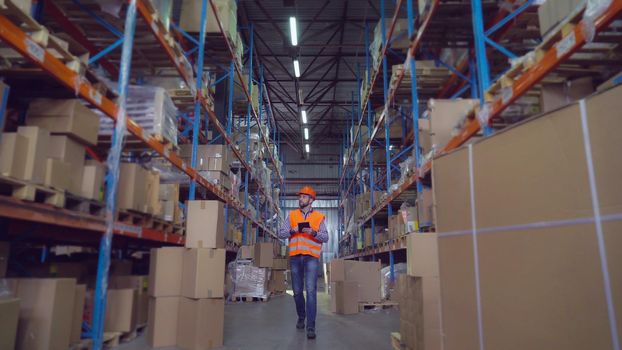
x,y
285,230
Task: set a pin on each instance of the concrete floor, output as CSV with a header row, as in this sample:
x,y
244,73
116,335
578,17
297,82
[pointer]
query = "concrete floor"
x,y
271,326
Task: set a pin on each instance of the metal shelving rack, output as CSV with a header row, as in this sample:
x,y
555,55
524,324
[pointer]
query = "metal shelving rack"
x,y
556,49
38,54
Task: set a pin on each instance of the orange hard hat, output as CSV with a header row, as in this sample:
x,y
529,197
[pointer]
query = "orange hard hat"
x,y
308,190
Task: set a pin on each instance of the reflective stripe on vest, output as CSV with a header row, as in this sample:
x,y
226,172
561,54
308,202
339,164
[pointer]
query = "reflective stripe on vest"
x,y
302,243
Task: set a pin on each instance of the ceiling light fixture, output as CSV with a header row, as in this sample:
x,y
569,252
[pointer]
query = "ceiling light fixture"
x,y
304,116
296,68
293,31
306,133
307,148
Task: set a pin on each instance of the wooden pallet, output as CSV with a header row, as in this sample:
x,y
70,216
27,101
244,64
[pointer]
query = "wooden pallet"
x,y
112,339
396,342
83,344
245,299
31,192
85,205
378,306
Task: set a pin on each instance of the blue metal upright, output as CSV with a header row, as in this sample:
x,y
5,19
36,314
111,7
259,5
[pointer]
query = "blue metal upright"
x,y
483,69
3,105
197,103
248,130
114,157
385,81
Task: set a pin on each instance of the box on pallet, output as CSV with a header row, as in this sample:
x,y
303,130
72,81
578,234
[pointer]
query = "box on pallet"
x,y
66,117
11,163
93,180
420,311
120,310
205,224
132,192
190,20
38,142
556,267
139,283
162,323
264,254
365,273
422,254
165,271
57,174
277,284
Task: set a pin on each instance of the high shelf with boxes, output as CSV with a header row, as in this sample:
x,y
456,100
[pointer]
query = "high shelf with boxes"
x,y
560,48
30,40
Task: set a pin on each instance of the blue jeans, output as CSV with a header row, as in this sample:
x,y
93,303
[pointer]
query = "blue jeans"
x,y
305,268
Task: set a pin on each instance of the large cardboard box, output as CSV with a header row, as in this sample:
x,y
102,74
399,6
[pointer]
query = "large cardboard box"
x,y
45,316
561,304
555,95
344,297
66,117
277,284
246,252
152,200
425,207
57,174
552,12
205,224
165,271
190,20
203,273
280,263
132,192
420,310
12,161
264,254
5,250
9,315
162,324
78,313
93,181
120,310
140,283
365,273
444,116
71,152
422,254
200,323
38,141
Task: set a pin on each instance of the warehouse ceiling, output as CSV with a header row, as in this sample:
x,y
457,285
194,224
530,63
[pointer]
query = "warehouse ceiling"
x,y
330,50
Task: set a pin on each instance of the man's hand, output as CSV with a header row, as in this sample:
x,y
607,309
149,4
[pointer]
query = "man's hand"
x,y
292,231
309,231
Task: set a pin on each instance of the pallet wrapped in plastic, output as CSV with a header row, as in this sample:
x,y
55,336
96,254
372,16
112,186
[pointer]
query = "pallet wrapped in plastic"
x,y
152,109
388,284
249,280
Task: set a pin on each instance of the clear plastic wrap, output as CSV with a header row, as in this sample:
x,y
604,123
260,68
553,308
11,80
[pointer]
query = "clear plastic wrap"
x,y
6,289
483,116
409,215
152,109
387,285
249,280
593,10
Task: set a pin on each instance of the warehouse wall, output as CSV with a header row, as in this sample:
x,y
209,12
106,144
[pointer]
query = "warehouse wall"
x,y
330,209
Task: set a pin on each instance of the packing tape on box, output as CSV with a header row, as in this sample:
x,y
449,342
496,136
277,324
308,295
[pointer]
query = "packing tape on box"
x,y
599,227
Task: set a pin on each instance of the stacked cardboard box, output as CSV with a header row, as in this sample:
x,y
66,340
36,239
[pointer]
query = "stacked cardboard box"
x,y
213,162
363,203
397,228
205,224
132,193
344,297
139,285
444,117
93,180
365,274
186,307
552,12
555,95
227,14
556,267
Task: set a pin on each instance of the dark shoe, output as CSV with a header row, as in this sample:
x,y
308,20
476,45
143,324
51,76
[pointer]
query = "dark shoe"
x,y
300,324
310,333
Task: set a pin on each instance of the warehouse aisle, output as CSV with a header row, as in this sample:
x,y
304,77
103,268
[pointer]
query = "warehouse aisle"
x,y
271,326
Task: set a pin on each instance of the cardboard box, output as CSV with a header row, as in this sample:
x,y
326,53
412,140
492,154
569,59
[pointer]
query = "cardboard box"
x,y
78,313
93,181
555,95
12,161
45,316
556,268
422,254
277,284
71,152
66,117
205,224
152,204
9,315
246,252
38,140
57,174
200,323
163,319
120,310
132,192
138,282
444,116
280,264
190,19
552,12
344,297
209,157
365,273
165,271
420,310
203,273
263,256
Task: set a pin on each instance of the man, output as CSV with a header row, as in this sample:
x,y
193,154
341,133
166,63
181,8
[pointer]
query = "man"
x,y
306,231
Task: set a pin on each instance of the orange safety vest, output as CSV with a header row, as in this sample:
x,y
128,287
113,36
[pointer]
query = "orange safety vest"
x,y
302,243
